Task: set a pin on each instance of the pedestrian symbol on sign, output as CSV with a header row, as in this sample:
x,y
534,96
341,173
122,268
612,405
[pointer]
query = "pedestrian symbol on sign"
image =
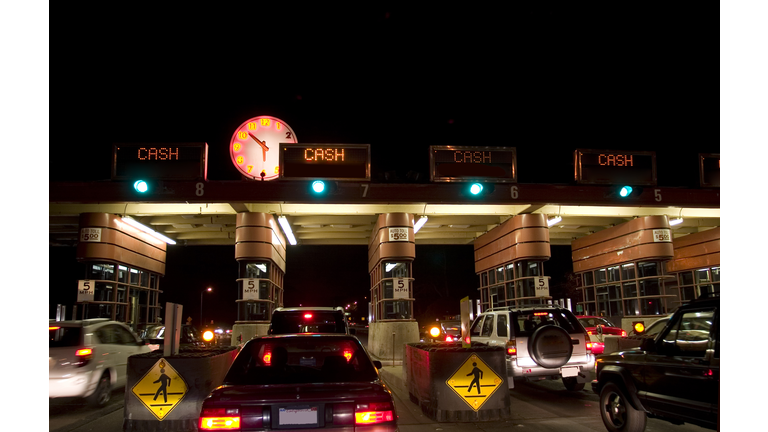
x,y
474,391
171,386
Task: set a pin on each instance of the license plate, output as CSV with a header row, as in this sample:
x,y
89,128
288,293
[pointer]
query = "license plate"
x,y
298,416
569,372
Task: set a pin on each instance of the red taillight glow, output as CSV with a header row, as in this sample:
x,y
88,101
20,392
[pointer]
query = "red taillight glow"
x,y
623,333
219,419
541,313
267,359
589,346
511,348
307,315
53,328
347,354
377,412
448,338
83,352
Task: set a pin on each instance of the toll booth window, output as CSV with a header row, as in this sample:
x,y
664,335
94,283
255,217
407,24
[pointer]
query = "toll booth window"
x,y
628,271
509,272
397,310
134,278
254,311
645,269
396,269
122,274
259,270
101,271
613,274
104,291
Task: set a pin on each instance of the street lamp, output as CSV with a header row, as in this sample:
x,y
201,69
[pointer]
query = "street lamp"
x,y
209,289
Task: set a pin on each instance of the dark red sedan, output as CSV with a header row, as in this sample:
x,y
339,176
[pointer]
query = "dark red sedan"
x,y
591,323
301,381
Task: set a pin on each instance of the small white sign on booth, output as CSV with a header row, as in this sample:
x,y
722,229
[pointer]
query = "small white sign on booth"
x,y
400,288
398,234
662,235
85,290
90,234
251,289
542,286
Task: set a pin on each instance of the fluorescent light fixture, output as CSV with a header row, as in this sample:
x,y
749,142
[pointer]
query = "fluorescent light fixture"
x,y
458,226
554,220
136,224
287,230
419,223
341,226
388,268
677,221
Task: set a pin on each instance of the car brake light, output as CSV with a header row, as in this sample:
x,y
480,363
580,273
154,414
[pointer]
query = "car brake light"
x,y
448,339
307,315
511,348
589,332
83,352
623,333
267,359
376,412
541,313
589,346
219,419
83,357
53,328
347,354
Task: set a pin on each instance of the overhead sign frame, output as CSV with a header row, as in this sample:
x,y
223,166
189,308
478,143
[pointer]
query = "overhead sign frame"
x,y
161,161
467,163
311,161
615,167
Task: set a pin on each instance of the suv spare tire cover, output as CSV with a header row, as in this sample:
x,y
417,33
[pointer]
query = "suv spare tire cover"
x,y
550,346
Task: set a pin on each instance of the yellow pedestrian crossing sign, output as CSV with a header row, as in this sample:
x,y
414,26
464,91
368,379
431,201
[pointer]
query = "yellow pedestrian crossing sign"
x,y
161,389
474,382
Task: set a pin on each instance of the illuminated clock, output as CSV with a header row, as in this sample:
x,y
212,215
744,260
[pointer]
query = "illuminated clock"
x,y
255,146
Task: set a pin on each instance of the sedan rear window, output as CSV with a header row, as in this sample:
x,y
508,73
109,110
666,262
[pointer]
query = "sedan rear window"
x,y
63,336
307,322
301,361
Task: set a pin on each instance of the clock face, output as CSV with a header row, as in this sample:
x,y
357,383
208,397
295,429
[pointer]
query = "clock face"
x,y
255,146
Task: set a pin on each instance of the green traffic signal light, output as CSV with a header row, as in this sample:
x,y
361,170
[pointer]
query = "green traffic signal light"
x,y
318,186
141,186
625,191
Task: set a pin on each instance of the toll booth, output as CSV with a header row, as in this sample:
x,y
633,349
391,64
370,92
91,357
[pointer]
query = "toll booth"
x,y
509,261
696,264
260,255
622,271
123,267
391,251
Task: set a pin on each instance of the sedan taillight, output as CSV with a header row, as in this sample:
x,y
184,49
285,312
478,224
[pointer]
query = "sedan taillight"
x,y
83,356
219,419
374,412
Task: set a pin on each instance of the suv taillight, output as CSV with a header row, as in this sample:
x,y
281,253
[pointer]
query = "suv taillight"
x,y
511,348
83,356
219,419
374,412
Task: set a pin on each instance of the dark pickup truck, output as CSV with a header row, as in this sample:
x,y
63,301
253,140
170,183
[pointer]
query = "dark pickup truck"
x,y
674,376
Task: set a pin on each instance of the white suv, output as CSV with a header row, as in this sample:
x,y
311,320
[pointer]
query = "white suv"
x,y
542,342
89,358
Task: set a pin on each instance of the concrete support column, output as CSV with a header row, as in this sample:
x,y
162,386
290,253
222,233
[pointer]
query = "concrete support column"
x,y
260,254
391,251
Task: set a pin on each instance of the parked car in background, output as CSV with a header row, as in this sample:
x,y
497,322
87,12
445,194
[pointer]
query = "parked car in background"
x,y
89,358
674,376
442,331
542,342
596,328
635,337
309,320
154,334
301,381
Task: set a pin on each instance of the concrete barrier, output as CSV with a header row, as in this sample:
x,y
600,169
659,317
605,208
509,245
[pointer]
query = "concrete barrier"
x,y
451,383
202,369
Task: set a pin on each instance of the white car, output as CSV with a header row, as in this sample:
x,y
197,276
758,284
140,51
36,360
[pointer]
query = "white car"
x,y
89,358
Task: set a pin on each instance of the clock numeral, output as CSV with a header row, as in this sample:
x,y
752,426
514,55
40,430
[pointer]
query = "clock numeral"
x,y
199,189
278,126
239,160
237,146
249,168
252,125
277,169
242,135
513,192
288,135
265,122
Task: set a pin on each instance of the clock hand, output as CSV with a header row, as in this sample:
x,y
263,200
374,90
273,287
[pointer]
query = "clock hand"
x,y
263,145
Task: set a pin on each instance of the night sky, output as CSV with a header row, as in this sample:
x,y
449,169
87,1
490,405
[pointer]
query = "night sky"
x,y
397,78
